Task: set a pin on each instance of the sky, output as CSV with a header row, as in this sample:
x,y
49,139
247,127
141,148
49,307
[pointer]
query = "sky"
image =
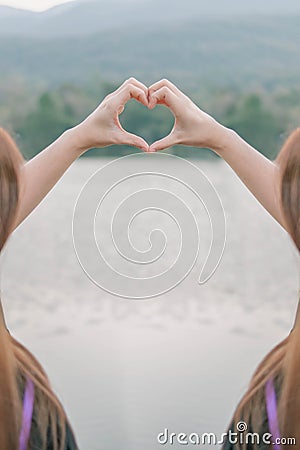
x,y
290,6
33,5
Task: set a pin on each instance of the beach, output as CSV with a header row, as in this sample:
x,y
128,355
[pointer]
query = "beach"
x,y
127,369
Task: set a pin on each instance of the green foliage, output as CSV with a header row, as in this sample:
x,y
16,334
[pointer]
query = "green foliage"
x,y
151,125
258,116
221,63
40,127
256,124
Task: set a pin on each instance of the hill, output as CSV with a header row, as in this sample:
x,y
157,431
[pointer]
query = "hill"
x,y
84,17
242,67
214,51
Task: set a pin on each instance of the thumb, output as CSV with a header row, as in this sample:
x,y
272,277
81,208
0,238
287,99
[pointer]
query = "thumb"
x,y
135,141
164,143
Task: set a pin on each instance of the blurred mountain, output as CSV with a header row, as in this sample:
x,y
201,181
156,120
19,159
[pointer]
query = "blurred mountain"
x,y
213,42
213,51
83,17
242,59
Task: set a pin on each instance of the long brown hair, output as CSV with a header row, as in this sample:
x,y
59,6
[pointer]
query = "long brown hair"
x,y
283,362
16,362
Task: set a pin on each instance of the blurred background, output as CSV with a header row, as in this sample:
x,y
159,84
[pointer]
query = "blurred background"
x,y
238,61
126,370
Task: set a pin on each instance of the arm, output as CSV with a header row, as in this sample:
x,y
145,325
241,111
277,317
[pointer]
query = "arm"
x,y
40,174
100,129
194,127
258,173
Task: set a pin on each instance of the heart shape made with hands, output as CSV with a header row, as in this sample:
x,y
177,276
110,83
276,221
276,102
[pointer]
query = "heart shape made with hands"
x,y
161,93
151,124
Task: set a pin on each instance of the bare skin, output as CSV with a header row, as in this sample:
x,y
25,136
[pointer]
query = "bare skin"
x,y
194,127
102,128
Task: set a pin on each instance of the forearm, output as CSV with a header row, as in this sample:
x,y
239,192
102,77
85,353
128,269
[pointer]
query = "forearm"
x,y
259,174
40,174
196,128
100,129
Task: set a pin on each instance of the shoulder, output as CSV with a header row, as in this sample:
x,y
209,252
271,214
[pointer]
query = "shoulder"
x,y
70,439
36,439
231,439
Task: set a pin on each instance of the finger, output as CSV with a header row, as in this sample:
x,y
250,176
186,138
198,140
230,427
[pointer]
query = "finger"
x,y
121,109
133,140
164,83
131,81
128,92
165,96
138,84
164,143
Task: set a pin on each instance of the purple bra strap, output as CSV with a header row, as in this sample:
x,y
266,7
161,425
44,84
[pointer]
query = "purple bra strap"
x,y
27,414
271,403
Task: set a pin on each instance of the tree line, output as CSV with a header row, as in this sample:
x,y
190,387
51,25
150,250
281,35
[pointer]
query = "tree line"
x,y
262,117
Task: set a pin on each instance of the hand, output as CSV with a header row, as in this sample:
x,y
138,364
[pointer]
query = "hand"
x,y
103,128
192,126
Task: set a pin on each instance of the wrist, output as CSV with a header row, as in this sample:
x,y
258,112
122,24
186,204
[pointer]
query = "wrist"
x,y
225,139
73,137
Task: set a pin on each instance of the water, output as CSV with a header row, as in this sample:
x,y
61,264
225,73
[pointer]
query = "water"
x,y
126,370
